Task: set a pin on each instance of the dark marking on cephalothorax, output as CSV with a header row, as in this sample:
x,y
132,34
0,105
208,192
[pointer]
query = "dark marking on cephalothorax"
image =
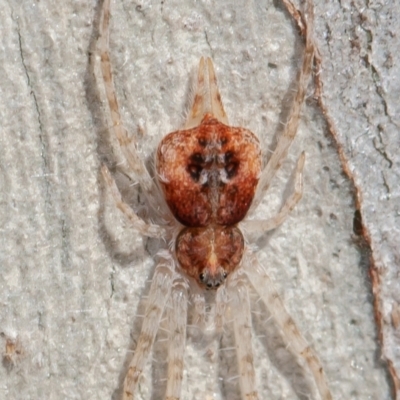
x,y
231,164
197,158
223,141
195,171
195,166
202,142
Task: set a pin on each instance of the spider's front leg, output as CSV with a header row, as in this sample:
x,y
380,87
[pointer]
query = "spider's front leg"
x,y
264,286
177,313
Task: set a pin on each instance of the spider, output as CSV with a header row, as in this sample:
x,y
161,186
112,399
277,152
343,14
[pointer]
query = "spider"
x,y
209,178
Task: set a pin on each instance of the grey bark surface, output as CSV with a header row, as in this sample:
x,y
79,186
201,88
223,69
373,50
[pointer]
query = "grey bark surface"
x,y
74,275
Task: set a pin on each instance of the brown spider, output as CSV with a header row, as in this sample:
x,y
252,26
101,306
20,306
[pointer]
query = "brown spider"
x,y
209,177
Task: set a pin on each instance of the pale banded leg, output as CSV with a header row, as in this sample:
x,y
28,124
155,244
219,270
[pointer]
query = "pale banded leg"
x,y
261,226
199,306
292,123
266,290
150,230
177,340
198,109
158,297
221,301
207,98
127,144
240,308
217,108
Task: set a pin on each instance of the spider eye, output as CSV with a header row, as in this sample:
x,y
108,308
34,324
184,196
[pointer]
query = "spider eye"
x,y
224,275
202,277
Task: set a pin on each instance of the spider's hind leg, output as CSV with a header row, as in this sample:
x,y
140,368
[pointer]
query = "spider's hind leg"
x,y
149,230
258,227
137,169
293,120
207,99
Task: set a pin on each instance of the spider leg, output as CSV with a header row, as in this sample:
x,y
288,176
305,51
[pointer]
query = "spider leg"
x,y
199,306
217,108
207,98
240,306
177,340
292,122
127,144
158,297
262,226
221,300
198,110
266,290
150,230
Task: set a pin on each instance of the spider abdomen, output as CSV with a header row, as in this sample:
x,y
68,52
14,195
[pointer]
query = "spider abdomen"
x,y
209,173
